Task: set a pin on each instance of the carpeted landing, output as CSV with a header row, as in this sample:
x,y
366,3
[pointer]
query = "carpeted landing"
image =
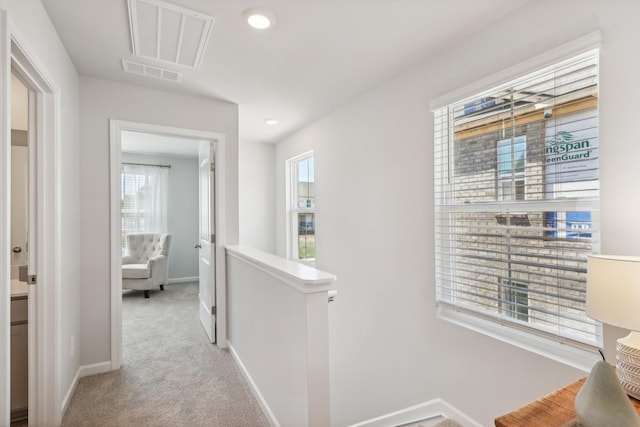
x,y
170,376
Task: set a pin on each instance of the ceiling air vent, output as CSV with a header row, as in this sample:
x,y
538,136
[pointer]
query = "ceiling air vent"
x,y
151,71
167,32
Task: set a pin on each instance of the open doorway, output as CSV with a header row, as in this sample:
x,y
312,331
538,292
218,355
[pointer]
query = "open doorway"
x,y
150,146
19,251
159,194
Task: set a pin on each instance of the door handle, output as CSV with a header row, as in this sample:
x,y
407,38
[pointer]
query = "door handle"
x,y
197,246
16,249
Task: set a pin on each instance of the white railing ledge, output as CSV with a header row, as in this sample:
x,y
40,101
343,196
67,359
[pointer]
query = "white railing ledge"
x,y
303,277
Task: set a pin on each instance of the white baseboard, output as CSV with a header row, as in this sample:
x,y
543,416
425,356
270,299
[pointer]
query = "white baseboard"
x,y
254,388
183,280
434,410
83,371
96,368
70,392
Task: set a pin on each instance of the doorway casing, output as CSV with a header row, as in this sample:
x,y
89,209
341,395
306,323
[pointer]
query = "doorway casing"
x,y
116,127
45,403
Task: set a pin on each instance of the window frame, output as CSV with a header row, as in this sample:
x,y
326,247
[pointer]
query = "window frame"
x,y
513,291
581,357
293,210
517,179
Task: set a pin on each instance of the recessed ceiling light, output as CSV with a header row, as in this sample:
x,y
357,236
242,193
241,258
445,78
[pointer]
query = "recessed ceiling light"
x,y
271,122
258,18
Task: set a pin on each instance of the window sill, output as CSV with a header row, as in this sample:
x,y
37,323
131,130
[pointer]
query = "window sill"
x,y
566,353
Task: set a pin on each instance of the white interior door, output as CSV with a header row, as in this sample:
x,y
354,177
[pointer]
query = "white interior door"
x,y
206,241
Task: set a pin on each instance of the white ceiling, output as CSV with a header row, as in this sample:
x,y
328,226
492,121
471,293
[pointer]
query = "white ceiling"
x,y
317,56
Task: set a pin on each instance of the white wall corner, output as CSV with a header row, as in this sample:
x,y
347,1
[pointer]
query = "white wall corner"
x,y
83,371
93,369
427,413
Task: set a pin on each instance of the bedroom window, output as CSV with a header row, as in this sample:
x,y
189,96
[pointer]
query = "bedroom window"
x,y
516,202
143,202
302,208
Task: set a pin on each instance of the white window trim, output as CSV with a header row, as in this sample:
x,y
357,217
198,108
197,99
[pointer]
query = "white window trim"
x,y
292,209
579,357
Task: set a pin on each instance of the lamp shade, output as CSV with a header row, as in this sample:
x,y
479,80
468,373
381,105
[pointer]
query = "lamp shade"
x,y
613,290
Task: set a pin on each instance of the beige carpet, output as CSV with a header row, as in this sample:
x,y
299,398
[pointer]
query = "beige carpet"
x,y
171,375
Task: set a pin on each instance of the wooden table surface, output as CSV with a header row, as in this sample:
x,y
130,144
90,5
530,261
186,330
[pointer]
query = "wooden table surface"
x,y
554,409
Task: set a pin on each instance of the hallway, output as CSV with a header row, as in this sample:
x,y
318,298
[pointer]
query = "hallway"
x,y
170,375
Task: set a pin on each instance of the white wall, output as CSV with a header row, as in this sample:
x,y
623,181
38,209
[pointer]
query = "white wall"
x,y
182,211
100,101
374,188
257,197
36,34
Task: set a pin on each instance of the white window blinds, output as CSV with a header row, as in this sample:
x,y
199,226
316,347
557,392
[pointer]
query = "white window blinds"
x,y
516,201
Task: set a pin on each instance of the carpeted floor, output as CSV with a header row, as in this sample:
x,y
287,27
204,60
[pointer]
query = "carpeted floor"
x,y
171,375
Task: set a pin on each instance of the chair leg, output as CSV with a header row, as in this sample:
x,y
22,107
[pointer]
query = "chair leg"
x,y
146,294
162,287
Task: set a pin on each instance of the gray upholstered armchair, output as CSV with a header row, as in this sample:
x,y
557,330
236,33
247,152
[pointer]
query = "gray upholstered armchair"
x,y
145,265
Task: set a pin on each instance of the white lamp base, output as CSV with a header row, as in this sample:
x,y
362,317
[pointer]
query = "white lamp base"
x,y
628,364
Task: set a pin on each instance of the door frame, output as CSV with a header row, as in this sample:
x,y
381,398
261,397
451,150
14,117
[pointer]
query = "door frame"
x,y
116,127
45,403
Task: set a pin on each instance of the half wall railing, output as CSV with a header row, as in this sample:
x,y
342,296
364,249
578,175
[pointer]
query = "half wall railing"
x,y
278,333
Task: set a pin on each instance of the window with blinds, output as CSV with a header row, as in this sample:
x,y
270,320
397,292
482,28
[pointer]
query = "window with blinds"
x,y
516,201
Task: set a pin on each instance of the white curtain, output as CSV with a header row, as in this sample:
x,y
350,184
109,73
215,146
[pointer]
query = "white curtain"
x,y
144,199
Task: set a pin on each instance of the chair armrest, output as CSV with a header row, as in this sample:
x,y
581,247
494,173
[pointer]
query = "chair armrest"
x,y
158,266
128,259
157,261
